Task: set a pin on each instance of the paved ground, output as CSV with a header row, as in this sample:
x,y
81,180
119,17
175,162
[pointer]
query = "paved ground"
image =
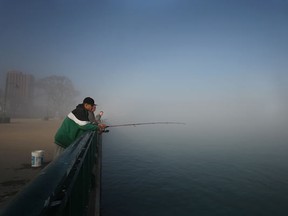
x,y
17,140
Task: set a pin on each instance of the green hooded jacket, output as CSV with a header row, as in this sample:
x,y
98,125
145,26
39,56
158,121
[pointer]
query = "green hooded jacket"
x,y
73,126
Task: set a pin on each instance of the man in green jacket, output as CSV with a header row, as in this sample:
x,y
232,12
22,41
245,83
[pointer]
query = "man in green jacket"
x,y
74,125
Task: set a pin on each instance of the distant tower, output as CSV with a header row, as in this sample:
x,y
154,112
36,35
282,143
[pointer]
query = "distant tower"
x,y
19,94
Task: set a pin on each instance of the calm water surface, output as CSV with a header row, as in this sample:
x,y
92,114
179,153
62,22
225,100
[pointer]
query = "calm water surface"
x,y
166,171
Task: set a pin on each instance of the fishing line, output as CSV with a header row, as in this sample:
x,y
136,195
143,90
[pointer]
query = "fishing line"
x,y
145,123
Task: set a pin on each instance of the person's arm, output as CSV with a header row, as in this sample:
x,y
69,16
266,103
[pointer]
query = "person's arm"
x,y
88,127
98,118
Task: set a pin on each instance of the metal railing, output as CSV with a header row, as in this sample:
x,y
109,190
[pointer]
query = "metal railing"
x,y
69,185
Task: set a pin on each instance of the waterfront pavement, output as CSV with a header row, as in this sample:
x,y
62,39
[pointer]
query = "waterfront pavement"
x,y
17,140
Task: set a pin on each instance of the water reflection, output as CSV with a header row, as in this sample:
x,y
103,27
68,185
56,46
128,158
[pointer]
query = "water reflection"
x,y
171,172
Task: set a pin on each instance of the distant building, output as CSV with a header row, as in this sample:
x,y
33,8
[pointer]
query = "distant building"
x,y
19,94
1,101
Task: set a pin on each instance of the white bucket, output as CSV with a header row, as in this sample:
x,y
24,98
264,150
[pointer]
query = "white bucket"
x,y
37,158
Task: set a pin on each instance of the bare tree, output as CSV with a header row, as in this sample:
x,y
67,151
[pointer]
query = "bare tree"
x,y
57,94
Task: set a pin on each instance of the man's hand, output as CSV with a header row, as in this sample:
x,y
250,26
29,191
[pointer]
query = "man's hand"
x,y
101,127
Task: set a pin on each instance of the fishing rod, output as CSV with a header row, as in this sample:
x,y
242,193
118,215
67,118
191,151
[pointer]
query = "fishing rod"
x,y
144,123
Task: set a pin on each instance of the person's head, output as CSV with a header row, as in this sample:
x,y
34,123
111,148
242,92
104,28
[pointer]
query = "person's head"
x,y
89,103
101,113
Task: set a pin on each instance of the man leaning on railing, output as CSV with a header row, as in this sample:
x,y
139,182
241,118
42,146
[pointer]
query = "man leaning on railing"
x,y
74,125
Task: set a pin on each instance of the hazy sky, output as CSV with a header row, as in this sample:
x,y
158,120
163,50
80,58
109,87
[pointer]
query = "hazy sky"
x,y
201,61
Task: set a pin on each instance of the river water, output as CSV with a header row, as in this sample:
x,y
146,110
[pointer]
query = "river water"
x,y
170,170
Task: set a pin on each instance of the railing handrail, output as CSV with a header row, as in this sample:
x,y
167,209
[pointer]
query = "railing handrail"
x,y
49,192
